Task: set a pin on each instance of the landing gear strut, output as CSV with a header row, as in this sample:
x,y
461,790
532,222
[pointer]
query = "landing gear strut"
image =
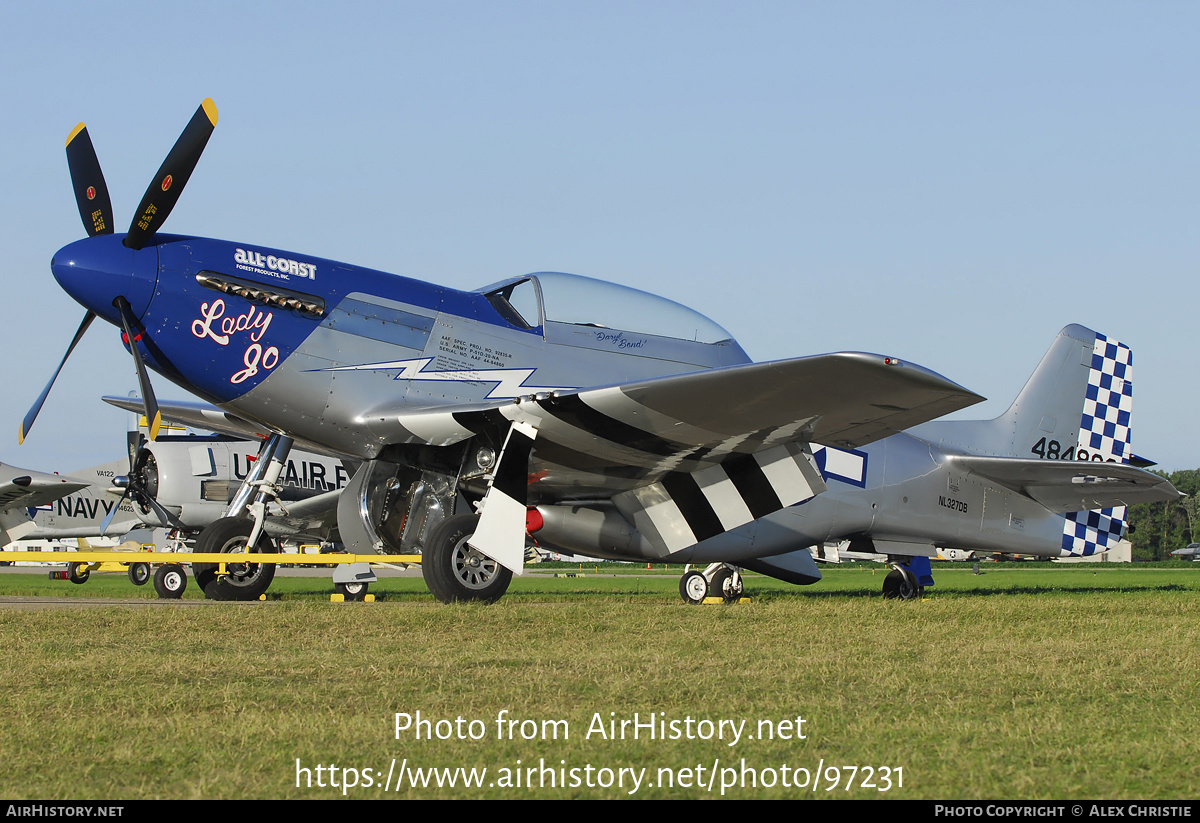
x,y
236,534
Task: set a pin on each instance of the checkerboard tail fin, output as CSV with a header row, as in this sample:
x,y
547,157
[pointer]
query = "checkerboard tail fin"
x,y
1077,406
1077,403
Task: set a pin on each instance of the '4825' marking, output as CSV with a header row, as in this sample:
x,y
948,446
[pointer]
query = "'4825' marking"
x,y
1053,451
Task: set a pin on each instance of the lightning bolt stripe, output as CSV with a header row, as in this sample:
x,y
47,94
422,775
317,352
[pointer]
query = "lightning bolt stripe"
x,y
509,382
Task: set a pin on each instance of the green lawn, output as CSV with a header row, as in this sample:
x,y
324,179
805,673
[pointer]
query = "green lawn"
x,y
1028,681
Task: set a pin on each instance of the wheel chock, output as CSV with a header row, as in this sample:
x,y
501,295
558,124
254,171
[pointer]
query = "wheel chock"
x,y
341,598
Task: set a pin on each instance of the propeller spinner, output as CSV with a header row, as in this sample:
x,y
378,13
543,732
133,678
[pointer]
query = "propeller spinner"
x,y
141,484
95,255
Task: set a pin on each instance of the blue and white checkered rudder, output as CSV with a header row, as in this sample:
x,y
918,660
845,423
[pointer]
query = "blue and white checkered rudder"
x,y
1103,437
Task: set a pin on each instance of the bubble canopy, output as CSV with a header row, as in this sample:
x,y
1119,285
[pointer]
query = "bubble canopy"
x,y
556,297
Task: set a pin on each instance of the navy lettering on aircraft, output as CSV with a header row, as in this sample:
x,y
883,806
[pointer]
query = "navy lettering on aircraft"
x,y
76,506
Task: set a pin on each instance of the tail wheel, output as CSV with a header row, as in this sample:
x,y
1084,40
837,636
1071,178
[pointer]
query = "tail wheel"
x,y
455,572
78,573
244,581
900,585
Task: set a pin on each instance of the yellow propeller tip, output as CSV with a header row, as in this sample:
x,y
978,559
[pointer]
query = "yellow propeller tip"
x,y
155,426
75,133
210,108
20,434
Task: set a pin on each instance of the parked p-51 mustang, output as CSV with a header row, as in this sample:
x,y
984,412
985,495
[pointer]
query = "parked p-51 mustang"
x,y
606,420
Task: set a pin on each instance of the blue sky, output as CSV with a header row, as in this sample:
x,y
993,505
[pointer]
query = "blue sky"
x,y
949,183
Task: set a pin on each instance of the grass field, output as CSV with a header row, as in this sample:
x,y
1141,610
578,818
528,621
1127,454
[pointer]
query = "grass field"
x,y
1025,682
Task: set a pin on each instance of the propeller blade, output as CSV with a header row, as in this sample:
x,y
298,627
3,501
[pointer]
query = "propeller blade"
x,y
91,192
27,423
108,518
172,176
165,518
153,416
134,442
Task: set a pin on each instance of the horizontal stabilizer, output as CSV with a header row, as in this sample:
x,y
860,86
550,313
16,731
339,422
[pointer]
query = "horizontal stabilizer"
x,y
20,489
1071,485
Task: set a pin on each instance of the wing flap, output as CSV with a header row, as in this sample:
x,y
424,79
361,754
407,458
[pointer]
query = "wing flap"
x,y
1071,486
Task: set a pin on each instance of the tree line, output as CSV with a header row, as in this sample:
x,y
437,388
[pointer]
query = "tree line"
x,y
1157,529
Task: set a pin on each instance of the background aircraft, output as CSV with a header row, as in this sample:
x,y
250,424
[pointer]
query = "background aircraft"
x,y
630,421
185,481
21,490
182,482
1191,550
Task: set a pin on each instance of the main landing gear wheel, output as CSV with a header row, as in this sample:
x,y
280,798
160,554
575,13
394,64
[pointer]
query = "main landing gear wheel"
x,y
455,572
351,591
244,581
900,584
170,581
693,587
78,573
139,573
726,585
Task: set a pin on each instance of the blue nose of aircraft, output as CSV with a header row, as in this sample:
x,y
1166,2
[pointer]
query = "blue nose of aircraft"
x,y
96,270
